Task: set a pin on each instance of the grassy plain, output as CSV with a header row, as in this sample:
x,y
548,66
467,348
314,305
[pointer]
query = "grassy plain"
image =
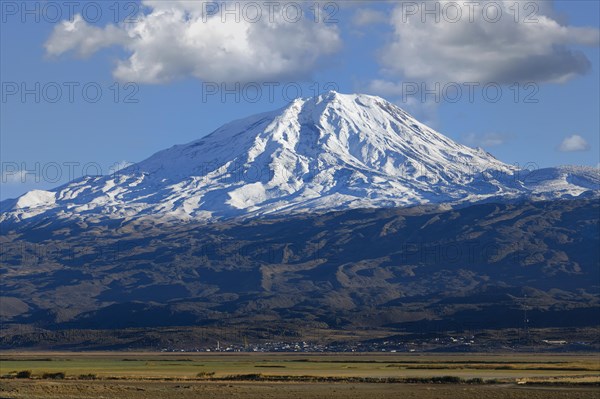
x,y
132,375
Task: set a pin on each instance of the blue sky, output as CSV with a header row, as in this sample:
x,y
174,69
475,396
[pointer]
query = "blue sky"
x,y
373,47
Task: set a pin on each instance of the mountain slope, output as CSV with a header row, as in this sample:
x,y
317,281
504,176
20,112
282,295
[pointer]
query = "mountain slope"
x,y
410,269
331,152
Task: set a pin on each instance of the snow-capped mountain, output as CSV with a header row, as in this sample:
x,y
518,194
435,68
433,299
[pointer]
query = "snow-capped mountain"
x,y
331,152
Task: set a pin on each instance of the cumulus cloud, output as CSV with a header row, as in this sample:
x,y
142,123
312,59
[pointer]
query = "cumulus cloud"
x,y
574,143
118,166
84,39
14,177
367,16
385,88
486,140
177,39
473,49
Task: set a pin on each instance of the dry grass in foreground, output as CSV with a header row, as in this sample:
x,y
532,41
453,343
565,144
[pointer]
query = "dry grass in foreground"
x,y
43,389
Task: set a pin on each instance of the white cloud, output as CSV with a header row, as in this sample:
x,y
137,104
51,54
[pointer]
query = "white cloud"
x,y
574,143
476,50
83,38
367,16
118,166
486,140
14,177
385,88
177,39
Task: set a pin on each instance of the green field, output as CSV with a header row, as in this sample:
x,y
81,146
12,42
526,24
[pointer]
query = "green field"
x,y
90,374
188,365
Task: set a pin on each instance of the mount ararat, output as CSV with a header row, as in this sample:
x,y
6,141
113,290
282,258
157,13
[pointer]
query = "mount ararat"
x,y
339,214
328,153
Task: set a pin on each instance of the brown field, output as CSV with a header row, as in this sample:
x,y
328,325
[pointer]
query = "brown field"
x,y
131,375
258,390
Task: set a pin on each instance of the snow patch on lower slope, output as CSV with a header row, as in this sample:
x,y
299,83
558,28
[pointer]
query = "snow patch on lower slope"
x,y
36,199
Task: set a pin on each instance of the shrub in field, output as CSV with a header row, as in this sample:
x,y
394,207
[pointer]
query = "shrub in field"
x,y
54,376
24,374
245,377
87,376
447,380
205,374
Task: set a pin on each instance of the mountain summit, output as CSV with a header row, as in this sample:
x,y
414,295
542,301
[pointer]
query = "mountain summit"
x,y
330,152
